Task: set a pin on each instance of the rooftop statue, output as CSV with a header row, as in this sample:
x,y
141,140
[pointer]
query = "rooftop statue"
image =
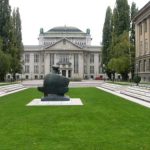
x,y
54,86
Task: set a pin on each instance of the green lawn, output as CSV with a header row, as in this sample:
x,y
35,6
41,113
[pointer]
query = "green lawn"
x,y
104,122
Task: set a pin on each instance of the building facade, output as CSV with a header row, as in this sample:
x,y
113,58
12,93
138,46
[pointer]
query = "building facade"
x,y
142,34
66,47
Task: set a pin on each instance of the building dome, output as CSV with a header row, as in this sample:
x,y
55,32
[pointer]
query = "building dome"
x,y
64,29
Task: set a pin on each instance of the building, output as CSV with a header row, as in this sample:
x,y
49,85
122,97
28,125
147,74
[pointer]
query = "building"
x,y
142,35
66,47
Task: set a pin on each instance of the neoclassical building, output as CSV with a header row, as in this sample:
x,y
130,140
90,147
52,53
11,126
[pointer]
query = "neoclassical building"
x,y
66,47
142,34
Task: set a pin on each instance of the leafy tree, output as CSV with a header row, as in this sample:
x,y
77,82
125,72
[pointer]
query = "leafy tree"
x,y
119,54
119,61
134,11
107,39
4,62
17,46
11,38
121,17
5,25
107,31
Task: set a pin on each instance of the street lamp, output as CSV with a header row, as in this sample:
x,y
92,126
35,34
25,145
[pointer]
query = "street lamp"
x,y
130,64
137,69
103,70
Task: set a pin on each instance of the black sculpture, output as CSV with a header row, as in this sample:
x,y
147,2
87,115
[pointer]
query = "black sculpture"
x,y
54,86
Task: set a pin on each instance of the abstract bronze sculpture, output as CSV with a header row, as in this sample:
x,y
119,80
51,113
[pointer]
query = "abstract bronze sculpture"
x,y
55,86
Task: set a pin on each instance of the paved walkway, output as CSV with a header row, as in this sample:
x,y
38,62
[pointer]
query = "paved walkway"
x,y
9,89
135,94
84,83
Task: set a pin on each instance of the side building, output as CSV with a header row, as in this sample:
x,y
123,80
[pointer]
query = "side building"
x,y
142,35
66,47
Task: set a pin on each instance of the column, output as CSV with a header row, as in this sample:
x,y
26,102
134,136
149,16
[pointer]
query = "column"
x,y
137,39
31,66
80,65
96,64
66,73
47,63
148,33
143,39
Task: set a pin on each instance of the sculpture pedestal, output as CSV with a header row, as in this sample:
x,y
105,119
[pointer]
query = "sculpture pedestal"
x,y
54,97
71,102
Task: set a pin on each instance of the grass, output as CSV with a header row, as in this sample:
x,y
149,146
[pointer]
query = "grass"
x,y
104,122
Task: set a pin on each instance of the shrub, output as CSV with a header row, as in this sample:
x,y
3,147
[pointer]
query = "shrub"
x,y
137,79
76,79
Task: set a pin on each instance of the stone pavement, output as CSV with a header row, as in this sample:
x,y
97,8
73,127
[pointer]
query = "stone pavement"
x,y
84,83
71,102
135,94
8,89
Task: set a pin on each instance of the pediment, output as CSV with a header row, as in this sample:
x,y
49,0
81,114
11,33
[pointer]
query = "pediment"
x,y
63,44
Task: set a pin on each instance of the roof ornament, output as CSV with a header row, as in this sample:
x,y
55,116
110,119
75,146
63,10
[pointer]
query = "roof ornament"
x,y
88,31
41,31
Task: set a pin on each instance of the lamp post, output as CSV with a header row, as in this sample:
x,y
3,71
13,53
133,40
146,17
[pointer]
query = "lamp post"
x,y
103,70
130,68
136,69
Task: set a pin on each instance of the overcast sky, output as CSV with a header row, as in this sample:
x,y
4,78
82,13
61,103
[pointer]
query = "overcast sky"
x,y
47,14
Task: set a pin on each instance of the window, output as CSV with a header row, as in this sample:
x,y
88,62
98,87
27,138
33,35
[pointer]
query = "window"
x,y
99,69
27,69
145,25
139,67
146,45
36,69
144,66
149,65
27,58
76,61
51,61
91,69
42,58
99,58
85,69
85,59
27,77
141,47
140,28
91,58
36,58
42,69
64,58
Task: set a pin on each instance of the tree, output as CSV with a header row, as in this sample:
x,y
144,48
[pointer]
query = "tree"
x,y
134,11
120,61
121,17
4,62
17,46
107,31
5,25
119,53
107,39
11,37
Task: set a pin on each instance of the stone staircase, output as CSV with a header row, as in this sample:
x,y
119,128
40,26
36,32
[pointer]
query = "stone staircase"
x,y
113,87
8,89
137,92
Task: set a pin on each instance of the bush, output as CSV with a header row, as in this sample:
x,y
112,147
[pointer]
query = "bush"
x,y
137,79
76,79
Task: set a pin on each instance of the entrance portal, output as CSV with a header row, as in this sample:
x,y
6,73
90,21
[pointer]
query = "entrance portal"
x,y
64,73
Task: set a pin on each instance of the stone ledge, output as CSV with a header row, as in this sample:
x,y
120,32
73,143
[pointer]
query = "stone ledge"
x,y
71,102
